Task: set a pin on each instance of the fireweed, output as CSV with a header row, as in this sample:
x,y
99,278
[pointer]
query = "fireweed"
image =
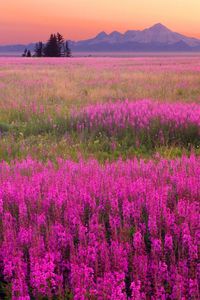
x,y
123,230
147,122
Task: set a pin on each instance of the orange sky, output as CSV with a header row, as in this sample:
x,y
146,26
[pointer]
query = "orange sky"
x,y
23,21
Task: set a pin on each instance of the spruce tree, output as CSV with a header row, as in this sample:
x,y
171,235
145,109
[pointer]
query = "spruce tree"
x,y
68,52
28,53
39,48
55,47
61,44
52,49
25,52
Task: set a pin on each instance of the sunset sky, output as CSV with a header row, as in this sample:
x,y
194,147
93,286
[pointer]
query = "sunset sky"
x,y
23,21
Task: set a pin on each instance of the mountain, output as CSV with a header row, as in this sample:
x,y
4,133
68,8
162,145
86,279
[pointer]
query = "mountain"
x,y
156,38
15,48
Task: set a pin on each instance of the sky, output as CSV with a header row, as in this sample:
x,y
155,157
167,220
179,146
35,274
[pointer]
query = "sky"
x,y
24,21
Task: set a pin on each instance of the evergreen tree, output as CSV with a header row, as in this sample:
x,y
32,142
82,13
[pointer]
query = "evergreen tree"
x,y
68,52
39,48
55,47
61,44
52,49
25,52
28,53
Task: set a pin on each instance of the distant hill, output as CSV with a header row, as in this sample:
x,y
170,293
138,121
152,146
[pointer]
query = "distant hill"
x,y
16,48
156,38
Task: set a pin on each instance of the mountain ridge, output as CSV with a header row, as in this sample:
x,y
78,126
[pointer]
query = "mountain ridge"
x,y
155,38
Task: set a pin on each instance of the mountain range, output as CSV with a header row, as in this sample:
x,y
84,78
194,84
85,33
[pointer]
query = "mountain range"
x,y
155,38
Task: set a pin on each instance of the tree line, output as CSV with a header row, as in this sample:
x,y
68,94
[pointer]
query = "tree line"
x,y
56,46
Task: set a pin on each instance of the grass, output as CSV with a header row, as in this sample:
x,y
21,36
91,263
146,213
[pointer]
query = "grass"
x,y
37,96
72,146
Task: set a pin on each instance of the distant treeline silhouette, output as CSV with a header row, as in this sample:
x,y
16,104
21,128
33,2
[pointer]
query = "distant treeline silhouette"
x,y
56,46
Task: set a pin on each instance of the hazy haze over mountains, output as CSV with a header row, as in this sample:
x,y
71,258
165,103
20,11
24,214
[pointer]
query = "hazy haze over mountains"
x,y
156,38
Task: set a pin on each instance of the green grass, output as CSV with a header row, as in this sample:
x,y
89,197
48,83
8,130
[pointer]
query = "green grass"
x,y
26,130
4,127
56,136
45,142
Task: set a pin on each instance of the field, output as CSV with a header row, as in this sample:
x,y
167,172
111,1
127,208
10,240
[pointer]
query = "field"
x,y
100,178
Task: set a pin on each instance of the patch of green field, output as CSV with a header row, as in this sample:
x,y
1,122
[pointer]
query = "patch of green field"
x,y
45,143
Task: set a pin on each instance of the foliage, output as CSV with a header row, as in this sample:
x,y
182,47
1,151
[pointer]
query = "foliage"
x,y
55,47
39,49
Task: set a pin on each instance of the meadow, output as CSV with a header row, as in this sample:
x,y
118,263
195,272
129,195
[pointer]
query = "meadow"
x,y
99,178
38,98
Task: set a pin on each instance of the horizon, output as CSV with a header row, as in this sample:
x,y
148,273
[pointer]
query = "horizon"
x,y
102,31
24,23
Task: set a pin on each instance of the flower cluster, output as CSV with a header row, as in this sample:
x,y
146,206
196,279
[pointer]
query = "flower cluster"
x,y
124,230
144,119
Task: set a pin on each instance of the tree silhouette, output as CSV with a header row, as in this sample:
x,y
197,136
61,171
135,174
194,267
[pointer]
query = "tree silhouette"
x,y
55,47
28,53
52,49
25,52
68,52
61,44
39,47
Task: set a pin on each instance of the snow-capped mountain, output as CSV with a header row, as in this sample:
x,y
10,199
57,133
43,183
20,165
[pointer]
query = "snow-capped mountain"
x,y
156,38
